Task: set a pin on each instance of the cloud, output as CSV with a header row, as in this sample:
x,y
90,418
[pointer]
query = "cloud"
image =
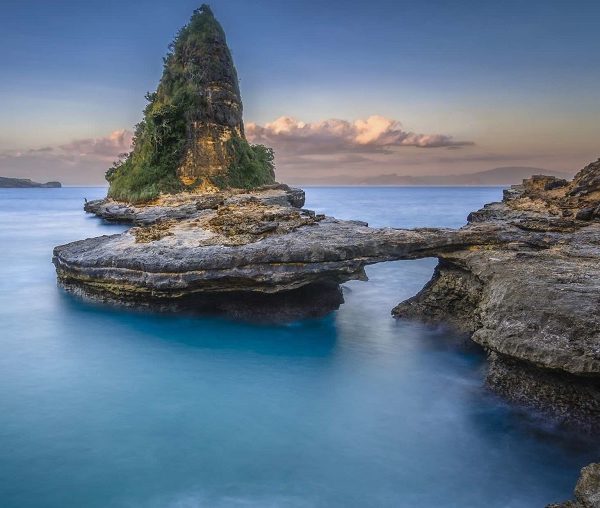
x,y
375,134
79,162
105,148
304,152
373,145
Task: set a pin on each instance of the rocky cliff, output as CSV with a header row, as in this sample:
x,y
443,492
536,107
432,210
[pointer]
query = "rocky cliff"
x,y
192,134
532,304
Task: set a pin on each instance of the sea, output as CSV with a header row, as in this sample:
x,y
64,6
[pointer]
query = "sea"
x,y
107,407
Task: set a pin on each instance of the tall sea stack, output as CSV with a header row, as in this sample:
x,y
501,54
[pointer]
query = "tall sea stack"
x,y
192,134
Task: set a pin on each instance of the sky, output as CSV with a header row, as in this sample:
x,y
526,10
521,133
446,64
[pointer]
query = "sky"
x,y
337,88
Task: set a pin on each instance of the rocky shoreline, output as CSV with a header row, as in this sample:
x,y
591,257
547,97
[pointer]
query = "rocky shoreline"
x,y
521,278
532,305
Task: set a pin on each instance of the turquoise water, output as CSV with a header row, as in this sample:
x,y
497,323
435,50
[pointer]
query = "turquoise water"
x,y
101,407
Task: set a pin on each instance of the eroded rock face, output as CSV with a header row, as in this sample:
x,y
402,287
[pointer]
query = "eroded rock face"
x,y
220,117
536,303
451,297
192,134
587,490
186,205
522,278
291,248
533,303
587,183
569,399
309,301
202,54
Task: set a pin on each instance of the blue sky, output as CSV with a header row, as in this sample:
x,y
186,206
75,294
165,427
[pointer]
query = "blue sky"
x,y
517,79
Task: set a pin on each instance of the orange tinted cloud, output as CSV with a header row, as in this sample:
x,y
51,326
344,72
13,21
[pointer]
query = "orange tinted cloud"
x,y
104,148
375,134
81,161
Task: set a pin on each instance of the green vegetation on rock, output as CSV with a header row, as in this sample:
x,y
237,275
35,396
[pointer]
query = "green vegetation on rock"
x,y
192,132
251,166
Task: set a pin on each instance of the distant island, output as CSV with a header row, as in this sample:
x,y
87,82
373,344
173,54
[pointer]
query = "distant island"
x,y
26,183
496,176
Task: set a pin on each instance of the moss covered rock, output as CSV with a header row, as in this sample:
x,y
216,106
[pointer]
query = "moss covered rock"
x,y
192,134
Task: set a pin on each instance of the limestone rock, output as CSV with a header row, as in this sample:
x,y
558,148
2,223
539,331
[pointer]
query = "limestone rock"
x,y
587,181
187,205
521,278
206,254
532,303
215,82
587,490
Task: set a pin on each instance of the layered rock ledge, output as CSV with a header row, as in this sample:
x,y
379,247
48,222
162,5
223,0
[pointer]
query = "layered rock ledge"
x,y
250,244
186,205
532,304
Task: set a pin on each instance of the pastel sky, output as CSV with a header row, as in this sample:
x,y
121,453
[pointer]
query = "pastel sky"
x,y
336,87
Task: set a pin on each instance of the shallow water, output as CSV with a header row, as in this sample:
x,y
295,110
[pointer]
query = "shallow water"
x,y
105,407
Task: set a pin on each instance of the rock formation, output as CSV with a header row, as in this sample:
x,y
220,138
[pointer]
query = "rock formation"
x,y
532,304
187,204
587,490
202,54
212,231
521,278
192,134
251,242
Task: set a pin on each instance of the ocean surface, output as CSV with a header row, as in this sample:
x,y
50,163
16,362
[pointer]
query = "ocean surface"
x,y
102,407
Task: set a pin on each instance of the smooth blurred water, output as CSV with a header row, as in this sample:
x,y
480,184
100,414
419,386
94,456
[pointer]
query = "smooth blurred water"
x,y
103,407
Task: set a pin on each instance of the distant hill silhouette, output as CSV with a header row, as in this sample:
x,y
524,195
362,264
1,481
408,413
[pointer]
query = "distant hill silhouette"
x,y
497,176
25,183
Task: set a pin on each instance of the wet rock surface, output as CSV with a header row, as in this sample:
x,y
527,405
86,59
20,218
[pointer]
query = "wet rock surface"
x,y
308,302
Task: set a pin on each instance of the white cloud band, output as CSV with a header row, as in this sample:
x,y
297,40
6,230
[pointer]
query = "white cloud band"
x,y
376,134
